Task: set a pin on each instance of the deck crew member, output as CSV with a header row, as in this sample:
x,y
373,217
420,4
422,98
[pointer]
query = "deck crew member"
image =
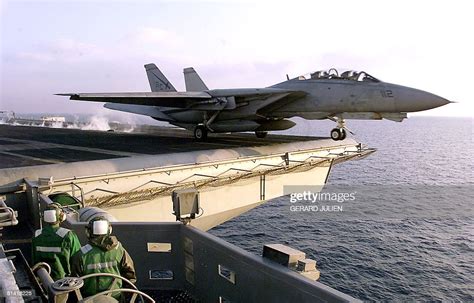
x,y
53,244
103,254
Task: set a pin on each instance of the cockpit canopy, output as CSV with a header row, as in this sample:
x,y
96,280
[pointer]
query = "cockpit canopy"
x,y
333,74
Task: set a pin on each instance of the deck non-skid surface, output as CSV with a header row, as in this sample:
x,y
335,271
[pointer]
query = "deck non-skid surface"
x,y
26,146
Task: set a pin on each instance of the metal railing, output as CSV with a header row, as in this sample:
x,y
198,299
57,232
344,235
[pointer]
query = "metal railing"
x,y
198,180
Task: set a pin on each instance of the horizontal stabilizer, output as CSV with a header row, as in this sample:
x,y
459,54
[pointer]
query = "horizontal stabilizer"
x,y
158,81
193,82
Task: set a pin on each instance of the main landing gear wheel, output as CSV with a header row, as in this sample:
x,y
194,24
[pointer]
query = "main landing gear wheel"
x,y
338,134
200,133
261,134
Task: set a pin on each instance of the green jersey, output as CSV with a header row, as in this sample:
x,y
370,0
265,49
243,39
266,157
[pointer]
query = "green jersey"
x,y
103,255
55,245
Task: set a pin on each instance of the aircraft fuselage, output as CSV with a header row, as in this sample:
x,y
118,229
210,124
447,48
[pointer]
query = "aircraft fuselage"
x,y
325,98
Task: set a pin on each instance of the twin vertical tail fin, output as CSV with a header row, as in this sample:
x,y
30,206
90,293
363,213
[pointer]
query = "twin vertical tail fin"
x,y
158,81
193,82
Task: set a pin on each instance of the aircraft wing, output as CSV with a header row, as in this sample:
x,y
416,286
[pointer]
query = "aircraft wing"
x,y
206,100
166,99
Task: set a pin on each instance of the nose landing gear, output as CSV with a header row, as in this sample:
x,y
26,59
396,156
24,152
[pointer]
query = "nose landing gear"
x,y
339,132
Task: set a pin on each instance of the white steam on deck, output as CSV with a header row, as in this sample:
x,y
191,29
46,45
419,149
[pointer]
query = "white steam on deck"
x,y
93,123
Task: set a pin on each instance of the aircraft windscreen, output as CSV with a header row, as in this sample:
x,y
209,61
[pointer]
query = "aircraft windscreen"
x,y
333,74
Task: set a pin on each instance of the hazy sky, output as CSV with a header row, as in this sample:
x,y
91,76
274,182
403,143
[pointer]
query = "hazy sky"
x,y
50,47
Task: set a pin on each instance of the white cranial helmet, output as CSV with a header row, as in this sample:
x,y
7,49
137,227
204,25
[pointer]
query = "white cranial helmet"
x,y
50,216
100,228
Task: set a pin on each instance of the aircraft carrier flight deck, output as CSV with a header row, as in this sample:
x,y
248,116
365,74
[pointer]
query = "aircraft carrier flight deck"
x,y
31,146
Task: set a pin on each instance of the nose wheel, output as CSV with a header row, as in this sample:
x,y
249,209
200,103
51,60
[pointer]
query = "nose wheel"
x,y
340,131
338,134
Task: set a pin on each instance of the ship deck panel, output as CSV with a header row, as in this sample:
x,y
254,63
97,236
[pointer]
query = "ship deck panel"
x,y
8,161
5,142
64,154
30,146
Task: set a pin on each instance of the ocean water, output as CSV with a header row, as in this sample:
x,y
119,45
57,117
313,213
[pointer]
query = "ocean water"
x,y
408,234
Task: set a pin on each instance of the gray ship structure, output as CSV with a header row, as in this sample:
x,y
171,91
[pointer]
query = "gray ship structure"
x,y
162,190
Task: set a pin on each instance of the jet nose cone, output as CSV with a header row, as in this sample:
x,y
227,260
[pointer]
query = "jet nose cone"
x,y
413,100
437,101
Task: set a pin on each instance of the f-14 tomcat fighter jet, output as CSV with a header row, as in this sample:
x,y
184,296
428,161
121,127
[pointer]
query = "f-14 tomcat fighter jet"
x,y
316,96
